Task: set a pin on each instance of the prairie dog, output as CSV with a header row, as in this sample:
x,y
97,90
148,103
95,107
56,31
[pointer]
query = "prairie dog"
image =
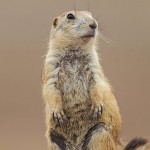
x,y
81,110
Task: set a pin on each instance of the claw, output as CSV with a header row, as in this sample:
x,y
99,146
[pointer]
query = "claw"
x,y
97,112
60,118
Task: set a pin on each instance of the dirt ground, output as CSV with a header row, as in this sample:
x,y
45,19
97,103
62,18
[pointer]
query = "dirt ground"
x,y
24,32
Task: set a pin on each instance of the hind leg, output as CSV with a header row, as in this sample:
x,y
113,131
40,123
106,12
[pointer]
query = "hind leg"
x,y
56,141
53,146
98,138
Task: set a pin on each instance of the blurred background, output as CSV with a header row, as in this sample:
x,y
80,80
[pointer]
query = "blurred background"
x,y
24,32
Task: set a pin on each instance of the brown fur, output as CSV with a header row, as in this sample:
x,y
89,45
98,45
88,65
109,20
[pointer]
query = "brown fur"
x,y
78,97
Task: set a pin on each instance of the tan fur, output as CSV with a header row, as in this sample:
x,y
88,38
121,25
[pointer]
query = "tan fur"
x,y
74,86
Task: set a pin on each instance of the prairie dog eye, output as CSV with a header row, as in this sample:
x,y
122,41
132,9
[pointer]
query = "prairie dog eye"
x,y
71,16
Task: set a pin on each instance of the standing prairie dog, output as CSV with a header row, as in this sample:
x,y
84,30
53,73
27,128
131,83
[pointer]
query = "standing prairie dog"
x,y
81,110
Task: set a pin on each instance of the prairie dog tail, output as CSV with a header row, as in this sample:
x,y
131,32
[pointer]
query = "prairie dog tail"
x,y
136,143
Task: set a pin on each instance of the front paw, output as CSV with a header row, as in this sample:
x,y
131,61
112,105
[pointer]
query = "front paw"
x,y
60,118
96,112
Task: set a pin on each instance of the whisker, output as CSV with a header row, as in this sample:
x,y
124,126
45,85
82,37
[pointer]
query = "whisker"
x,y
98,18
103,37
100,29
88,5
75,9
107,40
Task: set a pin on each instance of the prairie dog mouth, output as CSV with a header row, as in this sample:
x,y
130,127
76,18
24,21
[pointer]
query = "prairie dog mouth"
x,y
89,35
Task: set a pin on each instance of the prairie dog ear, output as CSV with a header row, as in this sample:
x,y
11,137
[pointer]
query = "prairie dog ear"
x,y
55,22
87,12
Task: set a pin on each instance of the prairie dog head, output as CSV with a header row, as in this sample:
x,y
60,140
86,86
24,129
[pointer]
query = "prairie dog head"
x,y
74,29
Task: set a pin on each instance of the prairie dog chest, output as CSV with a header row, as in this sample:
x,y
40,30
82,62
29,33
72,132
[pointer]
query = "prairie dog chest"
x,y
74,76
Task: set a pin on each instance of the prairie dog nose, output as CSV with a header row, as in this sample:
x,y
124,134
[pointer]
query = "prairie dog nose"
x,y
93,25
